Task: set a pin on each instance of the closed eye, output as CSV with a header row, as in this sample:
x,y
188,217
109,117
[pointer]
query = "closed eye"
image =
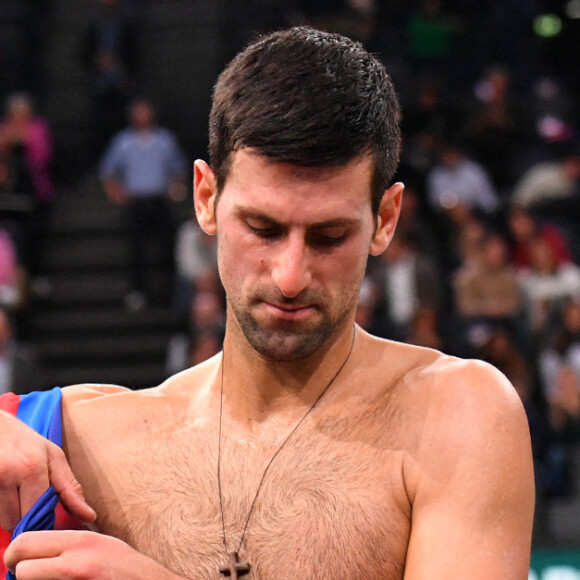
x,y
266,233
328,237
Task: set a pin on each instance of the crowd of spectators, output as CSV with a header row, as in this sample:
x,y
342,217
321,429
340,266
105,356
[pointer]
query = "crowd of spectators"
x,y
486,259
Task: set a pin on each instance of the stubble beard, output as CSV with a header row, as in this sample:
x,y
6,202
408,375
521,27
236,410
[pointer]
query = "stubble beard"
x,y
291,343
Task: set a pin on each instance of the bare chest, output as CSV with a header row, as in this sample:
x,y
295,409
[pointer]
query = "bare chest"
x,y
323,508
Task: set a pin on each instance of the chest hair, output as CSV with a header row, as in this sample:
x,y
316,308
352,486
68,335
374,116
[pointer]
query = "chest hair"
x,y
325,509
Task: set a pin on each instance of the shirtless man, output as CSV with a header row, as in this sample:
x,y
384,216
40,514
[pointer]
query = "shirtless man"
x,y
307,448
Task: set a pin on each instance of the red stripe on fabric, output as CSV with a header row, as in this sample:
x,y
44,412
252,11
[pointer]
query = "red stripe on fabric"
x,y
4,541
64,521
9,402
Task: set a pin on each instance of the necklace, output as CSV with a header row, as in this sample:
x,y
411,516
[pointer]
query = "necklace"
x,y
235,568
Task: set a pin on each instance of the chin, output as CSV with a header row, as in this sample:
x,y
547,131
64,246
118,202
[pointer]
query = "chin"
x,y
284,346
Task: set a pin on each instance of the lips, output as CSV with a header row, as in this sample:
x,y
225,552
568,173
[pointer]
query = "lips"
x,y
288,308
289,311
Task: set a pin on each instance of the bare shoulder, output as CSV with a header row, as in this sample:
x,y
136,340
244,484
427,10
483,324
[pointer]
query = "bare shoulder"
x,y
438,379
458,415
101,404
447,404
467,469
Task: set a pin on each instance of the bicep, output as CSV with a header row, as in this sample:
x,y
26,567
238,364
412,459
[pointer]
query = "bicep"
x,y
473,505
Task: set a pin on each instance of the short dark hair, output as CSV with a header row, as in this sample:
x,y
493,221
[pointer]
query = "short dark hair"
x,y
307,97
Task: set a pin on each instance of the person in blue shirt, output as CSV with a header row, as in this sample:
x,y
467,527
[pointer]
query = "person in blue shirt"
x,y
138,170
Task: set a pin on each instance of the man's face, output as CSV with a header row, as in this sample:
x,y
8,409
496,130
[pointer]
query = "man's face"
x,y
141,115
292,250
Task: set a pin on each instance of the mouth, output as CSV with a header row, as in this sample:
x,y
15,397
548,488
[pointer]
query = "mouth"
x,y
289,311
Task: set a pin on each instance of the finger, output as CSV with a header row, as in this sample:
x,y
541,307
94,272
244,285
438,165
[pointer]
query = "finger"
x,y
33,545
9,508
40,569
66,485
33,482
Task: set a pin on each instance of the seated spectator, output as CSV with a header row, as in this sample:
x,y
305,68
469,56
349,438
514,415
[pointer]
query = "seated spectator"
x,y
366,304
25,138
195,254
551,456
20,369
564,405
550,181
424,329
416,223
552,464
203,336
11,276
502,351
546,283
524,228
406,281
487,293
562,349
459,181
467,245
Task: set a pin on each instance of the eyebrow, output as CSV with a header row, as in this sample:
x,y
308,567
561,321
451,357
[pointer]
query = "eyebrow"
x,y
247,213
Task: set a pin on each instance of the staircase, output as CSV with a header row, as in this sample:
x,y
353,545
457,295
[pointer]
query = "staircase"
x,y
79,322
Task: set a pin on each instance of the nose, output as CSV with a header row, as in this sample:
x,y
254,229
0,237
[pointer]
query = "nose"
x,y
291,269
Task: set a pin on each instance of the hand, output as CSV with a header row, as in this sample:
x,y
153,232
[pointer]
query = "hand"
x,y
115,192
80,556
13,134
29,463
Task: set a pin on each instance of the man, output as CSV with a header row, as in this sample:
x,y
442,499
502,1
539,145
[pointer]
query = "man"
x,y
308,448
138,171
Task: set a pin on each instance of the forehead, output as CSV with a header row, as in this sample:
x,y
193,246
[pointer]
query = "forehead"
x,y
256,182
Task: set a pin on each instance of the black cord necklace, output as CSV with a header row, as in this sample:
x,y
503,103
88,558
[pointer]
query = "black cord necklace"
x,y
235,568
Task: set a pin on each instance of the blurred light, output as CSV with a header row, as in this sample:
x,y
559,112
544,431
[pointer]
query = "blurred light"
x,y
547,25
573,9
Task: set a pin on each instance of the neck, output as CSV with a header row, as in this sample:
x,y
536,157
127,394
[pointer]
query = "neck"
x,y
257,389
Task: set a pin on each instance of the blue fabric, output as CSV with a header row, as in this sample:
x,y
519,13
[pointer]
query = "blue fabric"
x,y
41,411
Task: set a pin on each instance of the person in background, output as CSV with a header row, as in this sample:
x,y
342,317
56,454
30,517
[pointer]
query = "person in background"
x,y
408,281
26,139
203,337
141,169
562,345
524,227
109,54
195,255
12,277
456,180
546,284
487,293
553,181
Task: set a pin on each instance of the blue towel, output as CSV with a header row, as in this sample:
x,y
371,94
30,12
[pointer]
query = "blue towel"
x,y
41,411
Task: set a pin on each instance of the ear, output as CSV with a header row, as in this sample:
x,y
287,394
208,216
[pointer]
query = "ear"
x,y
388,216
204,196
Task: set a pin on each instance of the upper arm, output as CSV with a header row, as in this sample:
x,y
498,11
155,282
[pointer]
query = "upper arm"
x,y
112,160
472,486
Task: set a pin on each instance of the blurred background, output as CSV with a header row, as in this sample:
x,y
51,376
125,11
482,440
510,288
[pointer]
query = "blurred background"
x,y
106,278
